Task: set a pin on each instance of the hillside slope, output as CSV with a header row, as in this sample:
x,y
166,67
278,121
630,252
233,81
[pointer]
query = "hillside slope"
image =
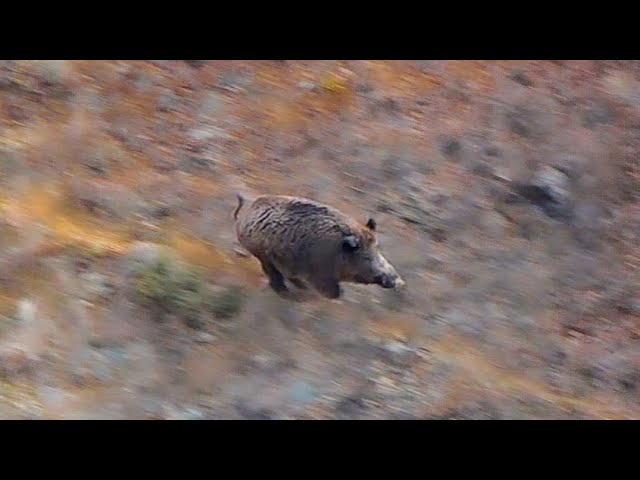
x,y
506,194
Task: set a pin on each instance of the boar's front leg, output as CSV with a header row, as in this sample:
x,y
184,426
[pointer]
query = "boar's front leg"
x,y
298,283
276,280
328,286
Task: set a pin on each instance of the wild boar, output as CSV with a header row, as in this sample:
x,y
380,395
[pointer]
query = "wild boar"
x,y
310,243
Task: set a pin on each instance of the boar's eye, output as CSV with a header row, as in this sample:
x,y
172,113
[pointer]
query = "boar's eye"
x,y
350,243
371,224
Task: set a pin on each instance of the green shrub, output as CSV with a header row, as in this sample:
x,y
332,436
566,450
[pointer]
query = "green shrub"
x,y
228,302
165,287
154,284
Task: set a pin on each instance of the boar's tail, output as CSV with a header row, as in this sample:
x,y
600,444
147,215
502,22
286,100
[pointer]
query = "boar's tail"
x,y
240,204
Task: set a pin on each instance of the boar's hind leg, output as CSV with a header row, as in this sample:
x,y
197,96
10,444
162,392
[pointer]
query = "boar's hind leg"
x,y
276,280
298,283
328,287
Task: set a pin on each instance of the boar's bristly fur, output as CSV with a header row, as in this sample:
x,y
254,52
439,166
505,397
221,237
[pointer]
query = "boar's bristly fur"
x,y
309,243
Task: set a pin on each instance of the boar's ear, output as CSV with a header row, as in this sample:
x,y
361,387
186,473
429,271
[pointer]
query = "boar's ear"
x,y
371,224
350,243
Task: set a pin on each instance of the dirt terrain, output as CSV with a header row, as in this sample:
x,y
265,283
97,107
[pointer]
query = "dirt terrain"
x,y
506,193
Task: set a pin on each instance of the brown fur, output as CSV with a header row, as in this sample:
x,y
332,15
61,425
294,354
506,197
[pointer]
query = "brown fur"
x,y
307,242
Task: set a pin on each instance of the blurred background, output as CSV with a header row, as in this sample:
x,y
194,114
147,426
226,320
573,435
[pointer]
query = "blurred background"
x,y
506,194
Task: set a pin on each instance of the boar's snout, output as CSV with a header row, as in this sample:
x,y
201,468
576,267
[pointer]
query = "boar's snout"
x,y
390,281
388,277
368,265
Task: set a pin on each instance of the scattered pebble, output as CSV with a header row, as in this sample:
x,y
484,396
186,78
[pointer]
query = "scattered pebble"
x,y
302,393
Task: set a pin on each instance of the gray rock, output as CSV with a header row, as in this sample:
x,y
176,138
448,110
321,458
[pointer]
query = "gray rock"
x,y
572,165
111,201
51,397
212,107
634,98
54,72
192,414
249,413
396,348
614,371
525,121
464,322
591,224
425,211
398,353
264,362
563,95
103,373
163,162
458,91
477,410
196,63
162,64
403,416
523,323
96,285
144,82
521,78
350,408
494,224
549,191
483,169
234,80
598,114
26,313
168,101
198,162
364,88
492,151
144,252
117,355
204,337
164,209
307,86
97,162
382,104
450,146
395,167
151,406
555,183
302,393
634,306
206,134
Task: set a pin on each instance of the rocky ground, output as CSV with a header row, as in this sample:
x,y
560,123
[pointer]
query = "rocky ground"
x,y
507,194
